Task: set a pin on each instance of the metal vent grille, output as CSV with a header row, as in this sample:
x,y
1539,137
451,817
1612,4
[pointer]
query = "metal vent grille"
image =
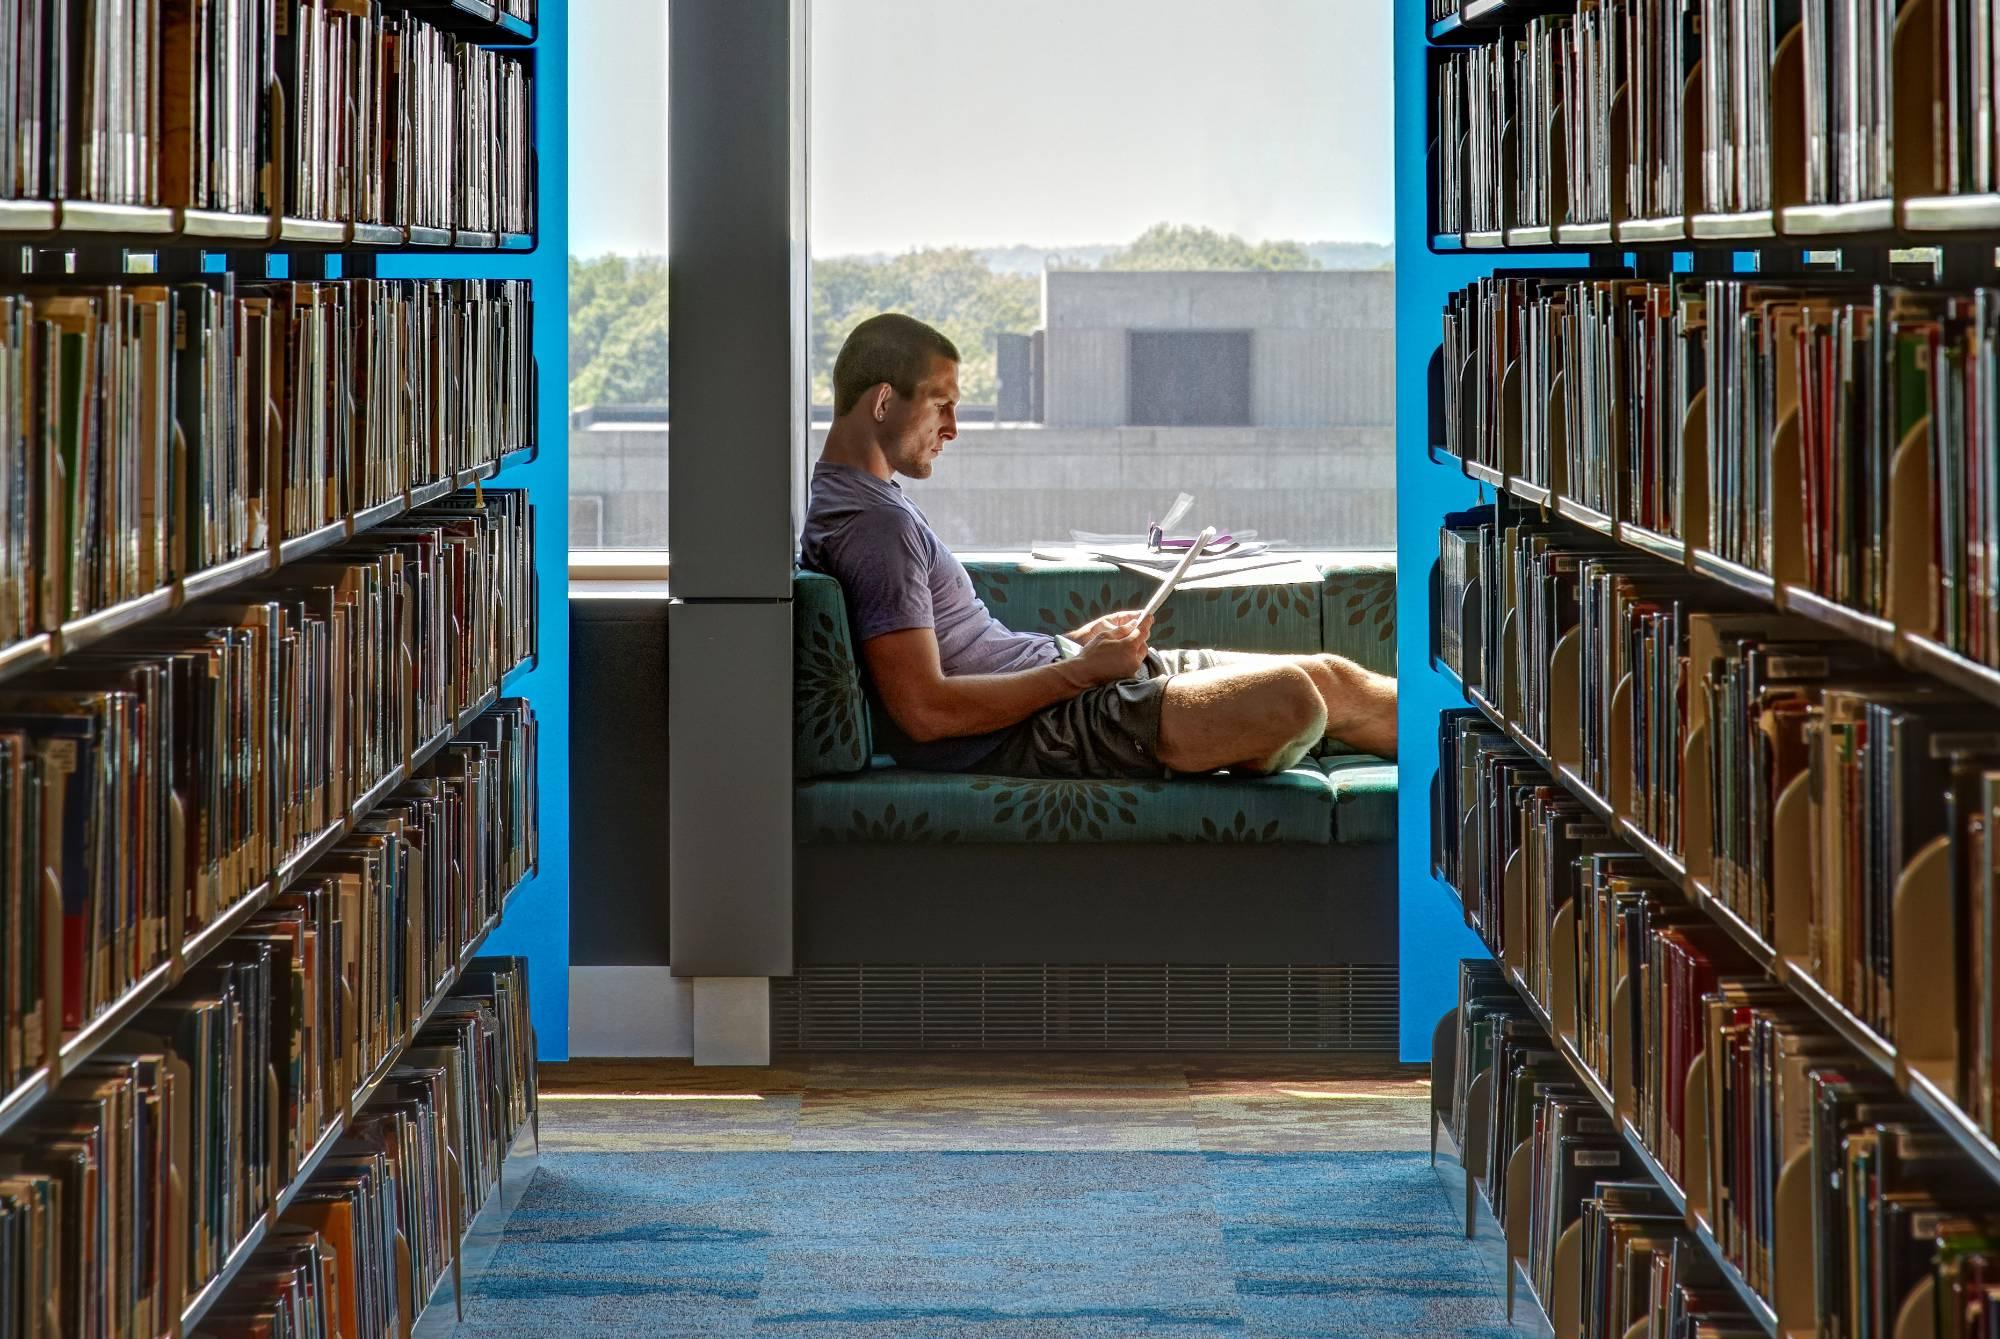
x,y
1168,1007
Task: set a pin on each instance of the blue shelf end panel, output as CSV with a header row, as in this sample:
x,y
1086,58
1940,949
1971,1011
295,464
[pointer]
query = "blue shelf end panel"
x,y
536,925
1430,923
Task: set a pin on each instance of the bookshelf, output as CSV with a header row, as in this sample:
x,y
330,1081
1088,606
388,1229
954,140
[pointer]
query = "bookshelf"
x,y
283,689
1640,418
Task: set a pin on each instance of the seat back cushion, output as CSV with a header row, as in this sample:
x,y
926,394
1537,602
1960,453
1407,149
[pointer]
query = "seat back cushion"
x,y
830,730
1358,609
1036,596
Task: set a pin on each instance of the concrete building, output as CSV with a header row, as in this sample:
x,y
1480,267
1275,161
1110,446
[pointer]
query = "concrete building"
x,y
1269,396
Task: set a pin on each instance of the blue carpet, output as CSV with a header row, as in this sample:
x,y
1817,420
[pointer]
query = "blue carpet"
x,y
807,1245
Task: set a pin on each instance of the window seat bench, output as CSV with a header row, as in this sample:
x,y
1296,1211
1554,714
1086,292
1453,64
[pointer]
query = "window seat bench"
x,y
898,869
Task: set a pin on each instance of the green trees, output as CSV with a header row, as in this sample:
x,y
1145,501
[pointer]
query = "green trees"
x,y
618,306
618,331
949,287
1180,246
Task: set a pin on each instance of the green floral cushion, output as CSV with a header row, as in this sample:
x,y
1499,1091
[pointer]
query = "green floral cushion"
x,y
1340,796
897,805
1036,596
1358,610
1364,797
830,734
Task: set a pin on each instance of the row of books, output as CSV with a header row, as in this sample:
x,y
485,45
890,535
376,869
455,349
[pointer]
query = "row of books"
x,y
137,1180
315,108
1548,579
1876,766
1469,196
1641,1264
1652,978
410,1172
160,780
130,1191
1552,87
1607,369
1661,108
396,122
151,432
1808,395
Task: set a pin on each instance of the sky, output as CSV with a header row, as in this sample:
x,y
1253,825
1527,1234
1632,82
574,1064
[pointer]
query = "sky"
x,y
1043,122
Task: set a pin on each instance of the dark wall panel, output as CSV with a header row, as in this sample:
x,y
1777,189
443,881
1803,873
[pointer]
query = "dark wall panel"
x,y
618,782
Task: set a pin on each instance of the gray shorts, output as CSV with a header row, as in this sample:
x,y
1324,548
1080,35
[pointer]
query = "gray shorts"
x,y
1110,731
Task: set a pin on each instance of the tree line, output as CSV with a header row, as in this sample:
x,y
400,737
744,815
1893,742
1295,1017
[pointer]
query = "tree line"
x,y
618,306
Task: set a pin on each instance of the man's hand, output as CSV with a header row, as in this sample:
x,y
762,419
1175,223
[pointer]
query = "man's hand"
x,y
1098,627
1112,654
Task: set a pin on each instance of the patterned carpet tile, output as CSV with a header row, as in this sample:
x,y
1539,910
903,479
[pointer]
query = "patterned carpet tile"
x,y
672,1076
986,1103
986,1069
1296,1067
1310,1115
1065,1245
626,1245
1038,1197
997,1118
1099,1244
665,1123
1350,1244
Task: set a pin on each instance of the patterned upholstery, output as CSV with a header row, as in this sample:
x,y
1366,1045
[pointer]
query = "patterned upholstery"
x,y
847,795
1358,619
1358,610
1035,596
830,729
1364,798
897,805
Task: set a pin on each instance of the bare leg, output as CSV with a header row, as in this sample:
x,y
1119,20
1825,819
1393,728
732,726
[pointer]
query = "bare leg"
x,y
1360,704
1259,717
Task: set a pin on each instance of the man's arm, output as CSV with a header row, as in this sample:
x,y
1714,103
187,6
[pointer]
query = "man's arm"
x,y
928,704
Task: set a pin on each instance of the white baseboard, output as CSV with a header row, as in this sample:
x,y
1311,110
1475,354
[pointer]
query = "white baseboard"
x,y
638,1012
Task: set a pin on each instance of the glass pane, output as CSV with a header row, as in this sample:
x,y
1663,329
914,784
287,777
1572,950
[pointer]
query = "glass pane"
x,y
618,275
1158,232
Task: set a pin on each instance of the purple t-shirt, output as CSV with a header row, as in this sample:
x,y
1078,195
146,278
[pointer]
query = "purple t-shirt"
x,y
896,574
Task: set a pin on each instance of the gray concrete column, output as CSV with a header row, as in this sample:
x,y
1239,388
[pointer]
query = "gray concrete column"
x,y
737,385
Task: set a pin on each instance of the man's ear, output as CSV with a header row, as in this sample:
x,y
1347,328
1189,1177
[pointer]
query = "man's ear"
x,y
882,393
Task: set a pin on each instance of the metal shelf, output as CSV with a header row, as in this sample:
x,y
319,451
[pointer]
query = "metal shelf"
x,y
27,216
212,1291
1756,223
1867,216
1584,234
22,1100
1672,228
59,225
1952,213
215,225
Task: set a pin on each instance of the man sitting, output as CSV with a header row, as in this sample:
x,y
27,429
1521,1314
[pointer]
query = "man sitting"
x,y
960,691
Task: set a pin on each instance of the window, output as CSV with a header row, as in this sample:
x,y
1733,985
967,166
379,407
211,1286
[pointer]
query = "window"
x,y
618,275
1188,378
1159,233
586,521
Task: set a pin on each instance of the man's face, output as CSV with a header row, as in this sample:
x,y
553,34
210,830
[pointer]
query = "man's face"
x,y
915,430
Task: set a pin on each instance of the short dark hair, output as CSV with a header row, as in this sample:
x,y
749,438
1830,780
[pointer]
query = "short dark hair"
x,y
891,347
